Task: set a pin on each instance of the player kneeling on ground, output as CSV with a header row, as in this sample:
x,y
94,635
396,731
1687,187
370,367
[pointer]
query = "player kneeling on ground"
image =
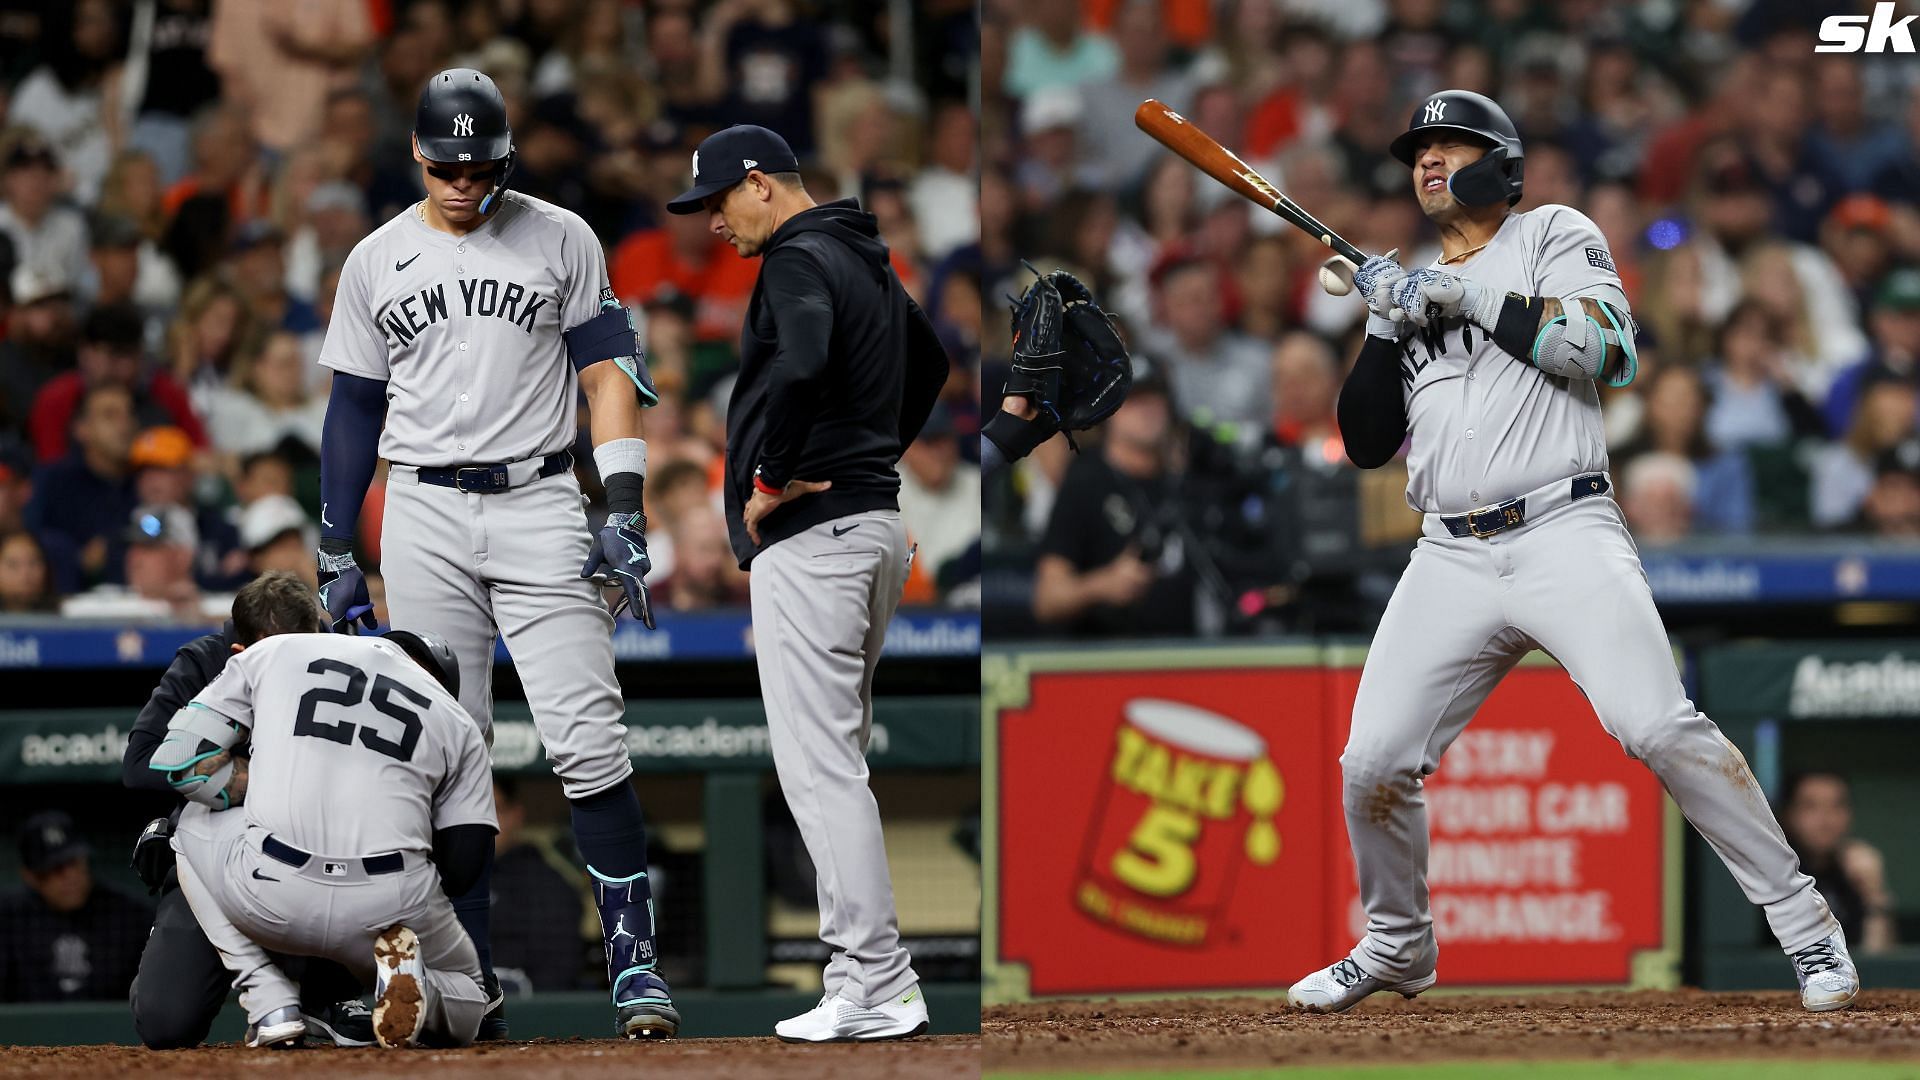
x,y
1489,360
374,803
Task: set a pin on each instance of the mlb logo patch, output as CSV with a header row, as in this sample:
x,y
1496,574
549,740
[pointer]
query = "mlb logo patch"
x,y
1599,257
334,869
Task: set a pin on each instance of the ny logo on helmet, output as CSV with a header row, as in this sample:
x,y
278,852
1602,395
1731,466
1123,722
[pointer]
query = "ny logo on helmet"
x,y
1436,111
463,124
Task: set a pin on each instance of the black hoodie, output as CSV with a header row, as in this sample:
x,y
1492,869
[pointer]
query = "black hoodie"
x,y
839,369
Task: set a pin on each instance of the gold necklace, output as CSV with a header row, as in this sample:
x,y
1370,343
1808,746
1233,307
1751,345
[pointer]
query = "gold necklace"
x,y
1462,255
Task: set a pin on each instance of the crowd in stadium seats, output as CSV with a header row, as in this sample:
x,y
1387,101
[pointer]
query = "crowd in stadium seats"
x,y
180,181
1758,198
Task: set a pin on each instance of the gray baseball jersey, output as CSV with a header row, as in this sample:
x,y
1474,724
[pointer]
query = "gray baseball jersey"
x,y
357,750
1487,428
466,329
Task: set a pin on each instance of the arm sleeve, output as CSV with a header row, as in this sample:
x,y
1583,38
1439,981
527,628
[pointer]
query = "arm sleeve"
x,y
1373,406
349,451
927,368
795,288
465,794
184,678
460,853
991,460
354,343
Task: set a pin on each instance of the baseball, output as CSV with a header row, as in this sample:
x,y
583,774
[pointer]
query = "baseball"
x,y
1336,276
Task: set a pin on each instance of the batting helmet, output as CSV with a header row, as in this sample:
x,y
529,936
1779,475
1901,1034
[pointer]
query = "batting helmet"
x,y
432,652
462,118
1494,177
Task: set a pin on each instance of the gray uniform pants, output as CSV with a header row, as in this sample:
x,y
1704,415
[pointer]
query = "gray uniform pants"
x,y
1465,611
248,902
462,564
821,603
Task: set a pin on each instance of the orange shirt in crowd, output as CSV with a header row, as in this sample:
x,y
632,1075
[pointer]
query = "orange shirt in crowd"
x,y
1186,23
645,261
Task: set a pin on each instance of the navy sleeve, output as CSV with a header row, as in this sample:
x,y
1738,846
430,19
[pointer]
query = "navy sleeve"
x,y
991,460
460,853
795,290
1373,408
927,370
349,451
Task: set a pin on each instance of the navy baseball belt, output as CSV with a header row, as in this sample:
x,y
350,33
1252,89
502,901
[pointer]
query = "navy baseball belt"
x,y
1513,513
390,863
496,478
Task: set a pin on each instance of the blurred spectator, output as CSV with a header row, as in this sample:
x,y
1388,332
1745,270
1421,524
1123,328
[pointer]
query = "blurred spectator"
x,y
261,474
766,64
1802,182
1301,106
945,195
1218,375
1052,163
276,535
1842,472
1306,386
1892,506
939,497
1755,400
110,353
335,219
1857,147
15,489
704,575
1108,564
66,937
1899,179
206,333
1894,320
1115,154
224,166
1816,813
1856,237
267,400
69,99
162,543
133,194
48,236
167,70
26,587
537,906
163,483
1720,487
114,250
1658,493
39,344
281,62
258,268
81,502
1053,48
684,255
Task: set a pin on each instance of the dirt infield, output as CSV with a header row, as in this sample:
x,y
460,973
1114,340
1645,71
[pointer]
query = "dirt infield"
x,y
1255,1032
947,1057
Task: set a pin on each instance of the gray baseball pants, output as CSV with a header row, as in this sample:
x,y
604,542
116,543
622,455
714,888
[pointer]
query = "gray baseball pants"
x,y
248,902
821,602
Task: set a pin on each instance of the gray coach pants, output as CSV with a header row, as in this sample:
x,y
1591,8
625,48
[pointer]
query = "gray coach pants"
x,y
821,603
248,902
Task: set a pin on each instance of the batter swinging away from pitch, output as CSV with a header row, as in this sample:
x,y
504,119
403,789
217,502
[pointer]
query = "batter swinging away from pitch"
x,y
467,325
1489,360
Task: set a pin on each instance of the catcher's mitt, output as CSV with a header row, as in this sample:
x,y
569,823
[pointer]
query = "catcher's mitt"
x,y
1067,357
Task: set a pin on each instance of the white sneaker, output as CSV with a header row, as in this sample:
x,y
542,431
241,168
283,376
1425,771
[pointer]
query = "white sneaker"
x,y
836,1019
1340,987
280,1029
1828,979
400,1009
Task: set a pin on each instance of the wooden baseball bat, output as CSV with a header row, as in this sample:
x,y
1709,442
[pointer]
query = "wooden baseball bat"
x,y
1178,134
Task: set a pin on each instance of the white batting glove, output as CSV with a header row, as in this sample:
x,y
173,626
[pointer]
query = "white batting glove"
x,y
1376,280
1429,296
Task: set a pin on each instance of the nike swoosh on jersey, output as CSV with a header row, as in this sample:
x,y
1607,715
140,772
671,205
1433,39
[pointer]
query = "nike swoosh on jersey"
x,y
848,529
398,266
261,876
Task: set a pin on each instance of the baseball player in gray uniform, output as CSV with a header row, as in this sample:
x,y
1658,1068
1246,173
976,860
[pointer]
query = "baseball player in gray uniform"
x,y
1489,360
463,332
367,783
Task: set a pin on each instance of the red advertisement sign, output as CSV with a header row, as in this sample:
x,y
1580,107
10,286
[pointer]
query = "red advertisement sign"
x,y
1179,829
1164,830
1547,848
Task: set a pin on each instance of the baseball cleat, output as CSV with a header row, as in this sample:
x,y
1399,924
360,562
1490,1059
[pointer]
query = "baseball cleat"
x,y
643,1008
343,1023
400,1010
493,1026
1828,979
837,1020
1340,987
281,1029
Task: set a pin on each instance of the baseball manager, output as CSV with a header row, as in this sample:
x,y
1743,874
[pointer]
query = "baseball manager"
x,y
838,371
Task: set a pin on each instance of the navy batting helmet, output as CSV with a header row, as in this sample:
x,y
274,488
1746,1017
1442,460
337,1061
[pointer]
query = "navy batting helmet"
x,y
1496,176
463,118
432,652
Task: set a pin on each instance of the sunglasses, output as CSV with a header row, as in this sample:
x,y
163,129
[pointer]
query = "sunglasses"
x,y
455,172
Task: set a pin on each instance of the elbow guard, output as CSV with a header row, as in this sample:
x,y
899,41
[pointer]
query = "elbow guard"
x,y
1576,345
610,336
196,736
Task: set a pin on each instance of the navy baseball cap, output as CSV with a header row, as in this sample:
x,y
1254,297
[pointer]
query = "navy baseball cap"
x,y
725,157
49,839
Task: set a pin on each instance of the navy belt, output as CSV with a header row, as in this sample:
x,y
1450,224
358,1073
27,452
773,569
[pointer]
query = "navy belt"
x,y
390,863
1512,514
491,479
